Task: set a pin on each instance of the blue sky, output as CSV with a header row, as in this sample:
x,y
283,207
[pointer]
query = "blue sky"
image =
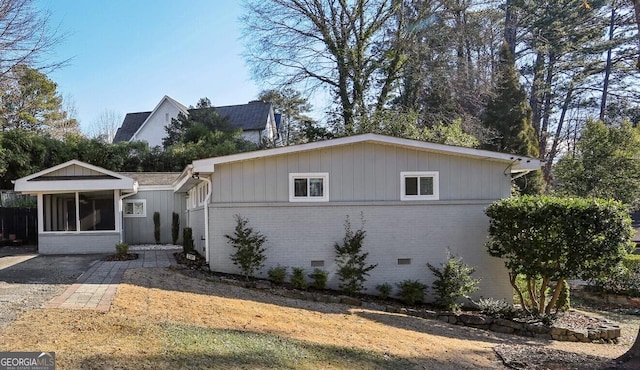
x,y
126,55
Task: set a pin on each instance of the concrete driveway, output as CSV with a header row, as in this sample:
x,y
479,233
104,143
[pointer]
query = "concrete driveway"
x,y
28,280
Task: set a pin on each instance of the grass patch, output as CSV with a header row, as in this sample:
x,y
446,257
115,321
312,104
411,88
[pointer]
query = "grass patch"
x,y
198,347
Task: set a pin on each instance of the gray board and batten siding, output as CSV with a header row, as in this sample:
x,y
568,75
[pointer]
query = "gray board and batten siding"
x,y
139,230
359,172
364,178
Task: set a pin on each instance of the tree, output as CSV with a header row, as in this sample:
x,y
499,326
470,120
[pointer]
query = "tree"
x,y
604,165
292,106
355,49
105,126
26,36
249,244
509,115
352,268
553,239
30,101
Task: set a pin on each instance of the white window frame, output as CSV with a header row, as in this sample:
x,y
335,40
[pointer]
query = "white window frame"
x,y
418,174
309,175
129,201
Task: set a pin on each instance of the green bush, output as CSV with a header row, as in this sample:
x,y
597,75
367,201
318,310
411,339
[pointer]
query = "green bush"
x,y
122,249
453,281
250,253
277,274
297,279
411,291
352,269
556,238
156,226
175,227
384,290
621,280
631,261
319,278
187,240
496,308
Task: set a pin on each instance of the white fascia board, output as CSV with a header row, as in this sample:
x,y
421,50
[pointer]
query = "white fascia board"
x,y
72,163
153,112
74,185
154,187
520,163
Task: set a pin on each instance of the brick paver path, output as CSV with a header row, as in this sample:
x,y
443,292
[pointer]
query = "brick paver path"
x,y
96,288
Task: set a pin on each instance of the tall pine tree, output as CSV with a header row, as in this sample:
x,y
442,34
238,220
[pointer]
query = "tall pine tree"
x,y
508,114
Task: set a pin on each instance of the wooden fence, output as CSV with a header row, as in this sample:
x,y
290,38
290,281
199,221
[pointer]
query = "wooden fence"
x,y
21,222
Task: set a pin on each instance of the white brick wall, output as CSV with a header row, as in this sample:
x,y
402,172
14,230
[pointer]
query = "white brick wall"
x,y
298,234
101,242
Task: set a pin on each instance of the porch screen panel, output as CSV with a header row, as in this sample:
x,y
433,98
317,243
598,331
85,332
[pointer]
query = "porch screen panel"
x,y
97,211
59,212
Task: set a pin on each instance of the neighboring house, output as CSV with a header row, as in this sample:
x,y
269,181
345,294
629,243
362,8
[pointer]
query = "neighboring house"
x,y
418,201
256,119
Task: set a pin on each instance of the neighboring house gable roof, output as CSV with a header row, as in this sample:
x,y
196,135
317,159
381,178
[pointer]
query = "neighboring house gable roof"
x,y
130,125
516,163
248,117
74,175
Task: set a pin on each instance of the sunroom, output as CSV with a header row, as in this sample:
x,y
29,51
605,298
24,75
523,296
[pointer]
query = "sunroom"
x,y
79,207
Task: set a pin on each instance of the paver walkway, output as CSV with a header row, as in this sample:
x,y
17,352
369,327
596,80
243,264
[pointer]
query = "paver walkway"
x,y
96,288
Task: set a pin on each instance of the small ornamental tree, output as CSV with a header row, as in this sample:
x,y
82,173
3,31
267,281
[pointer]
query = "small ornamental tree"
x,y
250,253
453,281
351,260
552,239
175,227
156,227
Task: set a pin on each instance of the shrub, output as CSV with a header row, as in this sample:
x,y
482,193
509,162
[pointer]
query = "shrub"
x,y
496,308
277,274
297,278
631,261
621,280
175,227
411,291
352,269
187,240
384,290
555,238
156,226
122,249
250,253
453,281
319,278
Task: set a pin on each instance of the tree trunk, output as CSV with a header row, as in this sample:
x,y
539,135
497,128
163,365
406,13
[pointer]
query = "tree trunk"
x,y
636,9
510,28
607,68
631,359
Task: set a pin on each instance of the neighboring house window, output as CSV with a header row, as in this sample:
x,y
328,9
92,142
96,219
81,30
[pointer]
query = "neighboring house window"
x,y
419,185
309,187
79,211
135,208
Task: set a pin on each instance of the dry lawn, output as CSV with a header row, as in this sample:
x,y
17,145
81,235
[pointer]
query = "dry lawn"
x,y
162,319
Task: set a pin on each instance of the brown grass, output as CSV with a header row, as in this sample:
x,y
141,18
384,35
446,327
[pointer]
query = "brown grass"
x,y
157,311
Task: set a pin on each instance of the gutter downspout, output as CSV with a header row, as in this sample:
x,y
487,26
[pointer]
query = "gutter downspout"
x,y
206,218
135,191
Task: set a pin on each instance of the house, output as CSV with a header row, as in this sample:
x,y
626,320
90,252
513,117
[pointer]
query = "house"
x,y
418,201
256,119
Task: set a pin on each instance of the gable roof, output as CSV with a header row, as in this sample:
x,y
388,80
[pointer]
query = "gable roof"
x,y
131,124
517,163
95,178
248,117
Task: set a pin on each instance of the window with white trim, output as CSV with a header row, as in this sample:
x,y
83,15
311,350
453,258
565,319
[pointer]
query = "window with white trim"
x,y
421,185
79,211
309,187
135,208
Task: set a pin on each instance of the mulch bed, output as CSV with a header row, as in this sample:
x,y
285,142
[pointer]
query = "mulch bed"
x,y
199,263
518,356
121,257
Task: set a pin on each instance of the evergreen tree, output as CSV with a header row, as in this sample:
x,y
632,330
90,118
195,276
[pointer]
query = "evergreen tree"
x,y
509,115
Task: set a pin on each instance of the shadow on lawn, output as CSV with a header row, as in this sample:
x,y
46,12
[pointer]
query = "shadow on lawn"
x,y
168,279
193,347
